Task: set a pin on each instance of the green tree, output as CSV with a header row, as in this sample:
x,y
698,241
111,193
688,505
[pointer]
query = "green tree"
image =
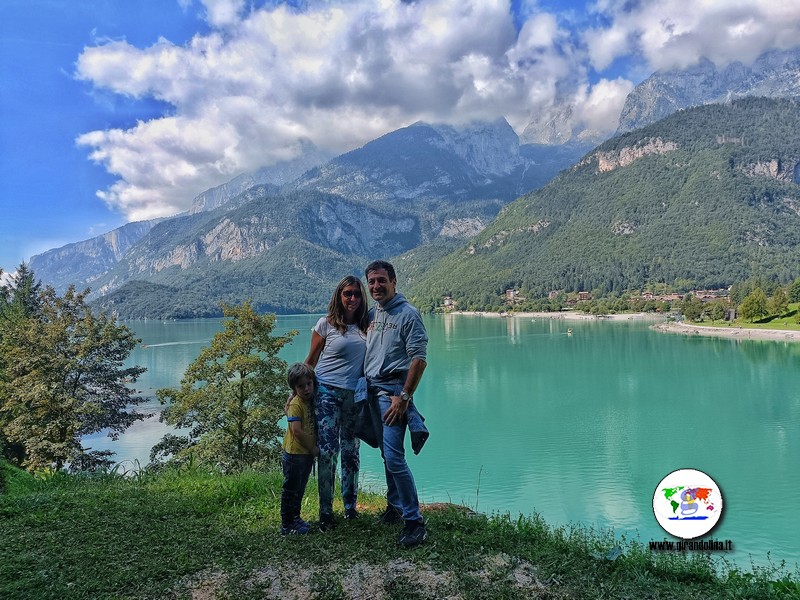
x,y
231,397
717,310
754,306
794,291
692,307
65,378
778,303
19,298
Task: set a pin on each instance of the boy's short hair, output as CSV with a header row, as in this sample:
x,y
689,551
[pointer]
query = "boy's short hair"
x,y
299,370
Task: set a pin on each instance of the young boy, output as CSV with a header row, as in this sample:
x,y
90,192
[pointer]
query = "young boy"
x,y
299,447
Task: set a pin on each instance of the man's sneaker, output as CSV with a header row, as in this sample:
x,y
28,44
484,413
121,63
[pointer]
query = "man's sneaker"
x,y
390,516
412,534
326,522
350,514
298,527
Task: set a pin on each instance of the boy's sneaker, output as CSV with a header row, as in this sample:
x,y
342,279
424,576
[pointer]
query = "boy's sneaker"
x,y
350,514
326,522
390,516
298,527
412,534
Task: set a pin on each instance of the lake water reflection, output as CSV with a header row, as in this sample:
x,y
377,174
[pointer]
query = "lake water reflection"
x,y
578,427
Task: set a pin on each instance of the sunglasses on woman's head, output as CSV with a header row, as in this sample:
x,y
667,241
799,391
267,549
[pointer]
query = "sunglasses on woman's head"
x,y
351,294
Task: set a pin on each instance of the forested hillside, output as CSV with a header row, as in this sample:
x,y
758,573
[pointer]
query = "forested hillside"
x,y
703,198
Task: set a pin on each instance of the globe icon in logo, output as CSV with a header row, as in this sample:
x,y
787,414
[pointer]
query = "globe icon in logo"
x,y
687,503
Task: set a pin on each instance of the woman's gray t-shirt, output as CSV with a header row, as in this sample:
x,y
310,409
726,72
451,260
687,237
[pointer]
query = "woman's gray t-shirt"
x,y
341,362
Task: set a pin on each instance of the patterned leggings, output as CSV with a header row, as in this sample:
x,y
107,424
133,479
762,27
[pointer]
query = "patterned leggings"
x,y
335,417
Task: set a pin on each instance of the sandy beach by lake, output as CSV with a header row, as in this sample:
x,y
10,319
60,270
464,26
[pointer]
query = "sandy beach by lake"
x,y
733,332
739,333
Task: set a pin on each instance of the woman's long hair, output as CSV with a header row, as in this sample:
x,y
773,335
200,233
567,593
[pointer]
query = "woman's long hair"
x,y
336,311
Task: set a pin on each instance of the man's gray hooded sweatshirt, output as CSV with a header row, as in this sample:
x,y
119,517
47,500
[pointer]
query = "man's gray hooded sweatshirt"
x,y
395,336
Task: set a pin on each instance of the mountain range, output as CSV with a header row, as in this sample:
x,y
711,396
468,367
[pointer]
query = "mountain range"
x,y
284,235
285,245
701,199
775,74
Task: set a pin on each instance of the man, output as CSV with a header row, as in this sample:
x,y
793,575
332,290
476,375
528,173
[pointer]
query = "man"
x,y
394,363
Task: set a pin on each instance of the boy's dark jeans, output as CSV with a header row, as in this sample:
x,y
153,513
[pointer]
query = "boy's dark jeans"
x,y
296,469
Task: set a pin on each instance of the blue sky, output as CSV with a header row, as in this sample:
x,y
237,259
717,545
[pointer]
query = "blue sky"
x,y
119,110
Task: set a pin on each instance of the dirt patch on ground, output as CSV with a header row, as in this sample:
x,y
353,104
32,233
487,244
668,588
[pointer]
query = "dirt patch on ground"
x,y
207,586
365,581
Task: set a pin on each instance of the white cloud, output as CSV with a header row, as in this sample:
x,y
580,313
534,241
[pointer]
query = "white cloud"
x,y
223,13
607,44
673,34
337,74
599,105
343,73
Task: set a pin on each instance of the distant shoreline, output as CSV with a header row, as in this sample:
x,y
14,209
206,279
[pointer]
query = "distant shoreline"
x,y
739,333
564,315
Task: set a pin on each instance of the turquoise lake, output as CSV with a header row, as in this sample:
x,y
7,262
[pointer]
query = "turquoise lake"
x,y
580,428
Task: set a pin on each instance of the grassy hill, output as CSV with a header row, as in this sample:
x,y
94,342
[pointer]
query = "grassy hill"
x,y
701,199
199,534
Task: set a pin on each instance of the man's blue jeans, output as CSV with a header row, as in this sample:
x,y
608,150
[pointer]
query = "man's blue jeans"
x,y
401,489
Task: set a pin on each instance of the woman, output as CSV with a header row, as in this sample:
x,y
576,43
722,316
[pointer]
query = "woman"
x,y
338,345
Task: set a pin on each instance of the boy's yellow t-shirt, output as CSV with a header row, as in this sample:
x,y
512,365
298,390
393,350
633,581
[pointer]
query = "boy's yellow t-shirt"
x,y
299,410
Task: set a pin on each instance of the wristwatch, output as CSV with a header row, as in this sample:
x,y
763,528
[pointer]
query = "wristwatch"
x,y
404,396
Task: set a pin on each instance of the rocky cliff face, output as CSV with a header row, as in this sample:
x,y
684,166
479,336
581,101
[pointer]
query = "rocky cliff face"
x,y
330,224
491,149
82,262
551,127
786,171
776,74
610,160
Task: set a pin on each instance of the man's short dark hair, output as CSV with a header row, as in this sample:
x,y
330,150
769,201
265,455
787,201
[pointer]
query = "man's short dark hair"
x,y
375,265
299,370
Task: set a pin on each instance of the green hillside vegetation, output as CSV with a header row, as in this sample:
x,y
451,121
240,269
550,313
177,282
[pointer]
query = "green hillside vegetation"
x,y
197,533
697,216
273,281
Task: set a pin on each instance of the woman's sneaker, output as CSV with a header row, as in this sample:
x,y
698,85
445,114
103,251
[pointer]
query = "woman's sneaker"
x,y
326,522
350,514
298,527
412,534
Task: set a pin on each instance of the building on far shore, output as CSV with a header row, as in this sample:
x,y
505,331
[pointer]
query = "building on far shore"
x,y
513,297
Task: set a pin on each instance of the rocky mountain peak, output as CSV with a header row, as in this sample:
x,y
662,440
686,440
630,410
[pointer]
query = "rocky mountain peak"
x,y
488,147
775,74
